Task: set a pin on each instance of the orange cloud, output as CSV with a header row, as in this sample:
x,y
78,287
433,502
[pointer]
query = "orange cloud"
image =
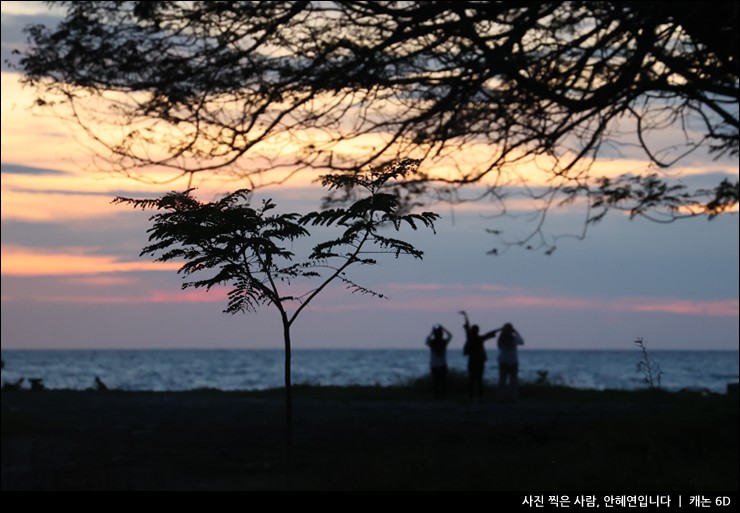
x,y
21,261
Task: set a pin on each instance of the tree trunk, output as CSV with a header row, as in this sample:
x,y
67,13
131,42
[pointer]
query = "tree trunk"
x,y
288,390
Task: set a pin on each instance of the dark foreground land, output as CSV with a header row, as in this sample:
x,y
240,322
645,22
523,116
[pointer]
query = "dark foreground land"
x,y
368,438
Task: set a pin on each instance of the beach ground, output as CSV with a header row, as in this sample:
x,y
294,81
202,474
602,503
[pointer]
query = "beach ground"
x,y
369,438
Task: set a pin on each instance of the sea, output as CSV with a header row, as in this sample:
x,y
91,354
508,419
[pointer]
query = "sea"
x,y
258,369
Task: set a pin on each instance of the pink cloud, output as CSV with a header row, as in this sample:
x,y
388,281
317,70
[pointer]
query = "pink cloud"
x,y
720,308
438,297
450,297
188,296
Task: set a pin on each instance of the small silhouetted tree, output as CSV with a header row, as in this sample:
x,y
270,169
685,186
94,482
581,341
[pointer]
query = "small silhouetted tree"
x,y
650,370
244,87
230,242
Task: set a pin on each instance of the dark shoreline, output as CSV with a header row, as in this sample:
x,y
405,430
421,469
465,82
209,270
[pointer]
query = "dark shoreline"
x,y
369,438
232,369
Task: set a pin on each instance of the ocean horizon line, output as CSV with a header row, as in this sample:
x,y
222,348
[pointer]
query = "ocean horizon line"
x,y
381,348
252,368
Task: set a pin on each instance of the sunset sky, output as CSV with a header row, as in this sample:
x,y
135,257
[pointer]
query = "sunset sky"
x,y
72,278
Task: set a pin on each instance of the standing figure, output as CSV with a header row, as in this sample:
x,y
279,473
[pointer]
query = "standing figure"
x,y
508,363
437,341
477,357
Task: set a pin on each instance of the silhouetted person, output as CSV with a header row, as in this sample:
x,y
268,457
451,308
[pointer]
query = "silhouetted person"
x,y
477,357
99,385
508,362
437,341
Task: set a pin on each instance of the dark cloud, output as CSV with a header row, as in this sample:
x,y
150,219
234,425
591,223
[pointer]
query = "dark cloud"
x,y
120,234
71,192
706,180
18,169
13,36
13,26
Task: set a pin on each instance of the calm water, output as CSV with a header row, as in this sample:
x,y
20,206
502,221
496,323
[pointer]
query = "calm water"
x,y
259,369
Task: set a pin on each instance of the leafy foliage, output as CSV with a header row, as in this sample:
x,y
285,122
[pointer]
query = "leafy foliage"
x,y
646,195
242,87
243,244
364,216
247,248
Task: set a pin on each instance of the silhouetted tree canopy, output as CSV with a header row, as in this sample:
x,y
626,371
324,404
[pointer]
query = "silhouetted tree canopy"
x,y
250,249
473,89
